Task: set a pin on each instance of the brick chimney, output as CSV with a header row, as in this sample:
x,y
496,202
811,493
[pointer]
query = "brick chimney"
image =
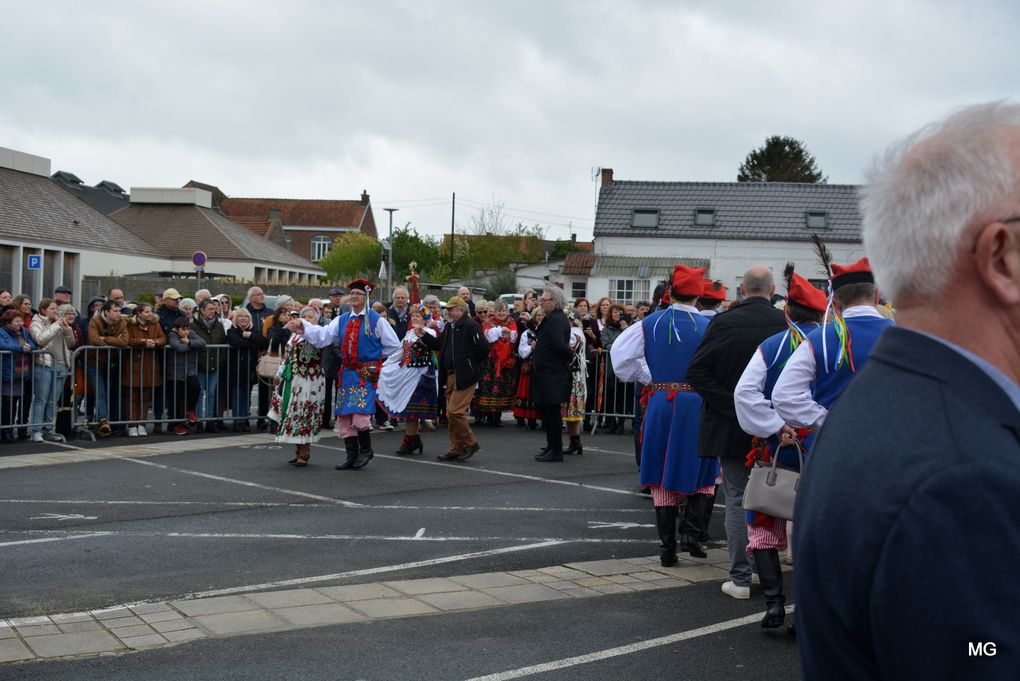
x,y
364,197
607,177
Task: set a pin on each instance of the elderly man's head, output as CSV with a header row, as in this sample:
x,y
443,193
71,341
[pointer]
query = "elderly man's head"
x,y
400,297
464,293
552,298
758,282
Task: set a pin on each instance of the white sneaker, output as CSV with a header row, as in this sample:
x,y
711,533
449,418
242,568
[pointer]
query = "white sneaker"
x,y
388,426
142,432
739,592
37,437
132,431
755,579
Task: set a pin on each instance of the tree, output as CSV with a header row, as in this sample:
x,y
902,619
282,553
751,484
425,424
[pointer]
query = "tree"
x,y
353,255
408,245
781,159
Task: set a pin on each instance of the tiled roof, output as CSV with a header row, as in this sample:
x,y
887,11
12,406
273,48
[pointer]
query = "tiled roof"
x,y
180,230
254,213
37,208
578,264
641,268
773,211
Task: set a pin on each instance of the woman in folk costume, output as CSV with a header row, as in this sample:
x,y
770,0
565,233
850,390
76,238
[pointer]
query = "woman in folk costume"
x,y
497,386
524,408
407,383
365,339
301,387
752,399
573,409
657,352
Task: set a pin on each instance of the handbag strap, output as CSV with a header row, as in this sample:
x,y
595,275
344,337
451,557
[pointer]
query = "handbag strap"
x,y
800,455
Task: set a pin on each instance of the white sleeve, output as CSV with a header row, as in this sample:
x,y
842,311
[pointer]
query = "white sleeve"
x,y
390,342
628,355
792,397
513,336
524,349
321,336
576,336
754,411
493,333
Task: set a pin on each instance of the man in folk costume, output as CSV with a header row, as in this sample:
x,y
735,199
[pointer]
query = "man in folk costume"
x,y
657,352
821,368
711,298
365,339
752,398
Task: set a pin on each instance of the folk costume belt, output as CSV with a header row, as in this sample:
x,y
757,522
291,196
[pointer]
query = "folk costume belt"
x,y
671,387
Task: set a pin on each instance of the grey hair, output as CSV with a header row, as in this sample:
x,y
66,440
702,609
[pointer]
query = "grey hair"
x,y
283,300
758,280
498,305
253,288
430,300
925,190
557,294
65,308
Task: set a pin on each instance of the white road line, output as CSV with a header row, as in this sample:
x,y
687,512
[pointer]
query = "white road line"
x,y
607,451
375,571
480,469
50,539
622,650
209,476
366,507
108,502
67,534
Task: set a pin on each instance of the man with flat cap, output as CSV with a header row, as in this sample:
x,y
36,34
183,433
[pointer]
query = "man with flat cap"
x,y
365,340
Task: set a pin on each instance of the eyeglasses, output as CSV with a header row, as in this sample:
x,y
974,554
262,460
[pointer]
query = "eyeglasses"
x,y
1006,221
545,300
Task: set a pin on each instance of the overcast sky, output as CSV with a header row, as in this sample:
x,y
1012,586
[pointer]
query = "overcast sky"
x,y
513,102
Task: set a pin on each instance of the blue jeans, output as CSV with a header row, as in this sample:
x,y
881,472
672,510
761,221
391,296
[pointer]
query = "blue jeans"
x,y
96,376
207,382
241,403
47,387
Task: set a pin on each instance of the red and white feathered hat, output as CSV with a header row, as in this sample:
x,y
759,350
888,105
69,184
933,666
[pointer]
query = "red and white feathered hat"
x,y
687,282
801,291
713,290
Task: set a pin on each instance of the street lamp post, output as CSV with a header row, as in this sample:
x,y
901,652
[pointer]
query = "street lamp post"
x,y
389,270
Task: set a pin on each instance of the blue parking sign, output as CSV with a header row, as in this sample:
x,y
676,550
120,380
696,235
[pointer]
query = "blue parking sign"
x,y
35,262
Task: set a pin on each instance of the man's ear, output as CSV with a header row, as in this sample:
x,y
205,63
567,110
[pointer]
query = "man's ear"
x,y
997,259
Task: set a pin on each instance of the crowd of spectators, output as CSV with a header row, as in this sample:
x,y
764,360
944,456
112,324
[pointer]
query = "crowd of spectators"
x,y
188,364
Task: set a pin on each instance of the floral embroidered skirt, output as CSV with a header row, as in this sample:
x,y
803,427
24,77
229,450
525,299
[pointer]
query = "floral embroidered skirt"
x,y
495,393
301,417
422,404
573,409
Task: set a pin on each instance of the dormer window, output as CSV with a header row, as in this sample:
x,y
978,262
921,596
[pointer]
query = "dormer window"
x,y
645,218
817,219
704,217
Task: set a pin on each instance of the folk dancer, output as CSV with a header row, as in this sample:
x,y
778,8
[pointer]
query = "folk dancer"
x,y
364,338
656,353
407,383
752,398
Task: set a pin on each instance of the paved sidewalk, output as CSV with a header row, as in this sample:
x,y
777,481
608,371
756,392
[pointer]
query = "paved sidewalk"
x,y
146,625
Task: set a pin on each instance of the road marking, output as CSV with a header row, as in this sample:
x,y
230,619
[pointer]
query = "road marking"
x,y
209,476
607,451
108,502
622,650
481,469
61,516
367,507
420,533
599,525
376,570
49,539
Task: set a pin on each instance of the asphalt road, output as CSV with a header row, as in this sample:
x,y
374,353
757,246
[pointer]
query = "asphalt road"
x,y
164,527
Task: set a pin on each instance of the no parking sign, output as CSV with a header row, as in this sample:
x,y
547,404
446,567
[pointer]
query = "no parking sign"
x,y
198,259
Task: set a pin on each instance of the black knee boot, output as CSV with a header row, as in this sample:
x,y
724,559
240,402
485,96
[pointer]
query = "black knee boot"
x,y
690,525
575,446
770,572
351,443
706,517
365,452
665,522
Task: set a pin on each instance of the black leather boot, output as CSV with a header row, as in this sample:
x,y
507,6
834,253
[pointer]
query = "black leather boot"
x,y
690,525
770,572
706,517
351,443
575,446
365,452
665,523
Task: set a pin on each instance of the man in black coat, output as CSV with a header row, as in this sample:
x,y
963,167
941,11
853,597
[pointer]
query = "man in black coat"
x,y
550,371
730,341
907,520
462,351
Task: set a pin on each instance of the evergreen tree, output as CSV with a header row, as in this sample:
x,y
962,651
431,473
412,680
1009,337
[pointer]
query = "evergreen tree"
x,y
781,159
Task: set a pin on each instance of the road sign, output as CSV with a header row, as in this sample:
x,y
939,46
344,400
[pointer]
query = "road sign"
x,y
198,259
35,262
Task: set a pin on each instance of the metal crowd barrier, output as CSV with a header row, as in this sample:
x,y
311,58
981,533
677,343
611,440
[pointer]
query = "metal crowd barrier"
x,y
610,401
122,388
25,387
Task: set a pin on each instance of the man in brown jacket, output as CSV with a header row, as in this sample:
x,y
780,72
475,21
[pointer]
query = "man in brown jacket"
x,y
143,370
107,334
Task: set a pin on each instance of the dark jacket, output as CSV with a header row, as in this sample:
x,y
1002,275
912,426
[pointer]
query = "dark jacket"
x,y
244,354
400,324
729,343
277,336
464,341
259,317
210,359
911,495
182,359
550,360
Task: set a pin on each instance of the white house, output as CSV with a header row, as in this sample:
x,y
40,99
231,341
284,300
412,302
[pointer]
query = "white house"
x,y
643,228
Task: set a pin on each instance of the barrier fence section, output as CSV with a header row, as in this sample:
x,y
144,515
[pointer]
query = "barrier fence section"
x,y
119,388
30,385
610,402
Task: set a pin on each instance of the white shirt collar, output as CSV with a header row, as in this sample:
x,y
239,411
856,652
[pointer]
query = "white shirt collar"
x,y
861,311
